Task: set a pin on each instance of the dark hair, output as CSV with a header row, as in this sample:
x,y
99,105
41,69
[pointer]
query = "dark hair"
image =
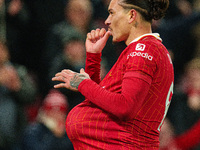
x,y
149,9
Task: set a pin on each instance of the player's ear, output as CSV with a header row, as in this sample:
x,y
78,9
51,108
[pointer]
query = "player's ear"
x,y
132,15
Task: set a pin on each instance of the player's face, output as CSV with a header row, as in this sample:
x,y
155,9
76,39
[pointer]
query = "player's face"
x,y
117,22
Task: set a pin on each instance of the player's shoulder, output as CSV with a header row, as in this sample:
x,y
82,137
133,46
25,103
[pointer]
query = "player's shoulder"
x,y
145,44
148,47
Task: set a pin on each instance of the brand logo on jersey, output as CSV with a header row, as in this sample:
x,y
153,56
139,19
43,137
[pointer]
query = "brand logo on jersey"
x,y
140,47
140,54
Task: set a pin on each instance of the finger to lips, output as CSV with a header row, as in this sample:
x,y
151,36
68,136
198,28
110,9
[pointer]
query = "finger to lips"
x,y
102,32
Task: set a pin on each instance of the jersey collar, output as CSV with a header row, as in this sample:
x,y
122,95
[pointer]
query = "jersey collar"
x,y
156,35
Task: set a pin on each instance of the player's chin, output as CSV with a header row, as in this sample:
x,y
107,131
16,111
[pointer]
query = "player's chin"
x,y
116,40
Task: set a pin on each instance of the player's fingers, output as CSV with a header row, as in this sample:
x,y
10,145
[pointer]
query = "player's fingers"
x,y
60,85
58,78
102,32
89,36
67,71
58,74
82,70
93,39
97,36
68,74
64,73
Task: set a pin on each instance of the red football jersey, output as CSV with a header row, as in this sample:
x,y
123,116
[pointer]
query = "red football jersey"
x,y
118,118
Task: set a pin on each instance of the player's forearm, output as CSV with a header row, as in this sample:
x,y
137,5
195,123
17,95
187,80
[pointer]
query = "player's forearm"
x,y
123,105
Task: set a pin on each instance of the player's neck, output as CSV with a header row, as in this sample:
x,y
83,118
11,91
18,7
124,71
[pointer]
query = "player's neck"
x,y
137,31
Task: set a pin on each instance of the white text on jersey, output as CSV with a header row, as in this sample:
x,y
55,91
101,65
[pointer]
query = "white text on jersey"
x,y
139,54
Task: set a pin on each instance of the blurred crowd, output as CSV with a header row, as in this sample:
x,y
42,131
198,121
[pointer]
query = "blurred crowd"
x,y
38,38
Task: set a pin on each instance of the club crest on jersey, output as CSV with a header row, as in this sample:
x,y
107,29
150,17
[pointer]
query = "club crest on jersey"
x,y
140,47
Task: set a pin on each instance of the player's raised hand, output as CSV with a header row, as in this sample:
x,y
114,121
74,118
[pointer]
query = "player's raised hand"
x,y
96,40
70,79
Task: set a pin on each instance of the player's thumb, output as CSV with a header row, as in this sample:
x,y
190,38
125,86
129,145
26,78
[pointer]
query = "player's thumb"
x,y
82,71
107,35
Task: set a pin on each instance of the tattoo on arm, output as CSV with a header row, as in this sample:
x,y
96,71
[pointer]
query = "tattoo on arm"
x,y
77,79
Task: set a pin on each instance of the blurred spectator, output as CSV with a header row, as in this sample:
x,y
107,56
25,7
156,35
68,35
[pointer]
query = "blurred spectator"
x,y
196,4
78,14
100,12
48,132
43,15
196,30
184,110
56,43
179,8
72,57
177,36
2,21
167,136
186,141
189,139
196,33
78,20
17,21
17,89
